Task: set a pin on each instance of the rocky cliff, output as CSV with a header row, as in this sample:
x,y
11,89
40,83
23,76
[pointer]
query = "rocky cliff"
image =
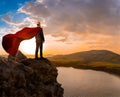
x,y
28,78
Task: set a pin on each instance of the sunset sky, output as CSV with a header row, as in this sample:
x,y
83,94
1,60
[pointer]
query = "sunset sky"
x,y
69,25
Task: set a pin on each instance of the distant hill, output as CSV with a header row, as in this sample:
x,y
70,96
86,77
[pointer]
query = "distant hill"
x,y
92,56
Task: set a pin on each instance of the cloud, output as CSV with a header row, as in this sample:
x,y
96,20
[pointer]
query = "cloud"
x,y
72,18
8,20
73,24
26,22
36,9
76,16
3,31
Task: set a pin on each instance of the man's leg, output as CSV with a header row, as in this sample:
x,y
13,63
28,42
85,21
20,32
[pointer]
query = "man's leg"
x,y
36,51
41,50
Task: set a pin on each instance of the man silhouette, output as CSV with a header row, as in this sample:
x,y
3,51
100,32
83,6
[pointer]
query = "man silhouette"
x,y
39,42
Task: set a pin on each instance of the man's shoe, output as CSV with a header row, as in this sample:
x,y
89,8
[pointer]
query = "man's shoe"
x,y
42,58
36,58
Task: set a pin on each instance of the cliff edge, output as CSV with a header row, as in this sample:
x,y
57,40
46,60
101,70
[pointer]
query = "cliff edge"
x,y
29,78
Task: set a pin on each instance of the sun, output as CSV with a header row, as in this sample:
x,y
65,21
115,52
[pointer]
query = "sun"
x,y
28,46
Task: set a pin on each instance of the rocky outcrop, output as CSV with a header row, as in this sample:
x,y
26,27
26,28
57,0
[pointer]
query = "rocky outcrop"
x,y
29,78
19,57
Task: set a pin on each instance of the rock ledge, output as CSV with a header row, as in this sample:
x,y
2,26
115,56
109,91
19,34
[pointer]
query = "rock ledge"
x,y
29,78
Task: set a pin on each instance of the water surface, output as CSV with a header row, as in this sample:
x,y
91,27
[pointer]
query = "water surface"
x,y
88,83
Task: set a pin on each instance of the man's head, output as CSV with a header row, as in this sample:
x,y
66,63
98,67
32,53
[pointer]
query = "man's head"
x,y
38,24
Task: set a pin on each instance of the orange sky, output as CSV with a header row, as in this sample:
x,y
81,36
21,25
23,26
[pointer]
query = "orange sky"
x,y
53,46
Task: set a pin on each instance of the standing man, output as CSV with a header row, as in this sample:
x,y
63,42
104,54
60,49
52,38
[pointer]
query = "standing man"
x,y
39,42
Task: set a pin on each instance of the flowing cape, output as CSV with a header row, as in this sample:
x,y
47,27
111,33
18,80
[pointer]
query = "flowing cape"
x,y
11,42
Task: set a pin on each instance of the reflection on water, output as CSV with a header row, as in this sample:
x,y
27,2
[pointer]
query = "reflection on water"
x,y
88,83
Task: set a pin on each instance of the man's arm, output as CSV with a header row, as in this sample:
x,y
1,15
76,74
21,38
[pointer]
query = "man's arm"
x,y
42,35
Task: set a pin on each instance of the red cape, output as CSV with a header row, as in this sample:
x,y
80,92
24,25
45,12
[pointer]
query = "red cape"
x,y
11,42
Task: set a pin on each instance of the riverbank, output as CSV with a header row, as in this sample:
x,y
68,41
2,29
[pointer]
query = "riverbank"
x,y
113,68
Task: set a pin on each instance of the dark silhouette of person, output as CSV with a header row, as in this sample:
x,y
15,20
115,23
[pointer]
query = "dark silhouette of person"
x,y
39,42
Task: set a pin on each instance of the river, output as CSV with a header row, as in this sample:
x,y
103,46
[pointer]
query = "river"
x,y
88,83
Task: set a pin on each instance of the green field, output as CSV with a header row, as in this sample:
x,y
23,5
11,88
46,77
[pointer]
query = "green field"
x,y
113,68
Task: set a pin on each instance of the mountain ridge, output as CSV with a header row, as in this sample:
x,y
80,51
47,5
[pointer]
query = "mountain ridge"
x,y
92,55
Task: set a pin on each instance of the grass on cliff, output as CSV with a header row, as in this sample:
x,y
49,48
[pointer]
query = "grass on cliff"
x,y
101,66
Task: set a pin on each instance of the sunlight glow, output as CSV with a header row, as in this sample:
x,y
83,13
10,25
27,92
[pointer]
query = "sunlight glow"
x,y
28,46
